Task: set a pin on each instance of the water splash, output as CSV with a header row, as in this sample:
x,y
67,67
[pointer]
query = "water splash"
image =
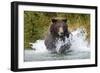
x,y
39,46
79,42
78,50
77,39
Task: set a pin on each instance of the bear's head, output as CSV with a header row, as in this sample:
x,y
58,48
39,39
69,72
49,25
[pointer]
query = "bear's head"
x,y
59,27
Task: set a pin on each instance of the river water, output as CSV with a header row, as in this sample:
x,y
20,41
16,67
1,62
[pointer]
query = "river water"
x,y
79,50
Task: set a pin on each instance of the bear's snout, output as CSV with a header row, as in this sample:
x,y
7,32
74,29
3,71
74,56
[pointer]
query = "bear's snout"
x,y
61,31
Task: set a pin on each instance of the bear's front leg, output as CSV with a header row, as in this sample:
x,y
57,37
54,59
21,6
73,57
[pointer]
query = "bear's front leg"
x,y
64,47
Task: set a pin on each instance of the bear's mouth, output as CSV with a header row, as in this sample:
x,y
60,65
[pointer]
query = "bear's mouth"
x,y
61,34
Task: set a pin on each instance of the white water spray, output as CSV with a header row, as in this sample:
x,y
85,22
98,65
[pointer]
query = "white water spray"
x,y
77,39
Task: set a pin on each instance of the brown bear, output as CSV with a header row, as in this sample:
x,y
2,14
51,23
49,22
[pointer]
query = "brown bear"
x,y
58,30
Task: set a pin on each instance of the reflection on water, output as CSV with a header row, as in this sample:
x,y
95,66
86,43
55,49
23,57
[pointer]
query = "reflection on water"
x,y
79,50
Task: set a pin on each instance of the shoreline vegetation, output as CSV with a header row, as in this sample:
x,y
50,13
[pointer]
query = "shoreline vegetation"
x,y
36,24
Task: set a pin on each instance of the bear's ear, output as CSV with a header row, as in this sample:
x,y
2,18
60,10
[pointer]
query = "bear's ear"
x,y
64,20
54,20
